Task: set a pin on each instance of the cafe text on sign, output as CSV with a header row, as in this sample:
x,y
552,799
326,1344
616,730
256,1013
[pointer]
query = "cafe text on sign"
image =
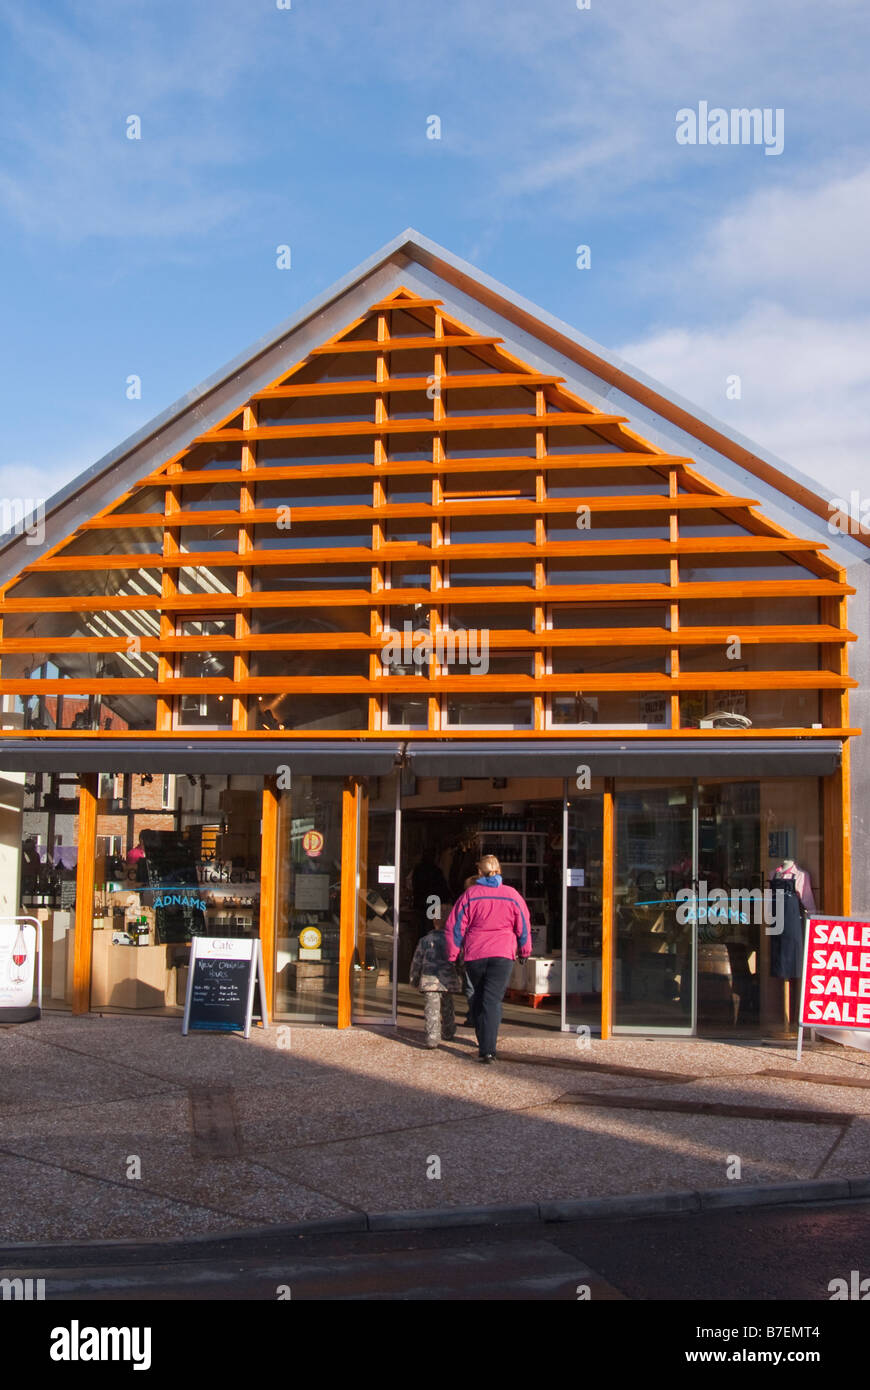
x,y
836,982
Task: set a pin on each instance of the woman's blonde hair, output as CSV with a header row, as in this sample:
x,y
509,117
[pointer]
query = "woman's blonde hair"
x,y
488,865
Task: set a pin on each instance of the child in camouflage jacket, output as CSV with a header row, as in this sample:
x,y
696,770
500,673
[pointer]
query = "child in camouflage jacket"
x,y
436,978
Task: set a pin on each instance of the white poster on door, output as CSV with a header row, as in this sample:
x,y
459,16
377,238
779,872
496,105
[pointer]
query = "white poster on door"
x,y
17,960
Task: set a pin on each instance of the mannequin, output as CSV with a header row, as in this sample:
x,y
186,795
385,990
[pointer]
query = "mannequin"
x,y
793,899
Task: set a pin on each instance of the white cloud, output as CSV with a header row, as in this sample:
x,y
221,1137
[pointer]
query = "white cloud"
x,y
805,383
804,242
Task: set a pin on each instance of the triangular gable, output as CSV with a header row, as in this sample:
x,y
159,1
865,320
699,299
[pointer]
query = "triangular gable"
x,y
518,495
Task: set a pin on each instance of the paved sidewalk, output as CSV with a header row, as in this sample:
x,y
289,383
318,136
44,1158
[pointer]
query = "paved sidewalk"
x,y
301,1124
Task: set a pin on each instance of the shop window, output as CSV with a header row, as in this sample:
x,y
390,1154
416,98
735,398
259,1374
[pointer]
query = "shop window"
x,y
608,526
279,712
510,443
740,708
315,410
476,530
607,615
415,362
410,405
210,458
606,660
577,439
203,708
314,662
408,532
313,535
405,324
469,574
490,711
409,490
514,484
308,618
492,400
407,712
625,570
49,858
305,578
613,709
303,493
210,497
224,536
604,482
127,540
308,896
165,873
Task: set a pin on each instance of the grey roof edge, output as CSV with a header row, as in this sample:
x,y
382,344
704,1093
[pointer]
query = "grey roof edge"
x,y
460,273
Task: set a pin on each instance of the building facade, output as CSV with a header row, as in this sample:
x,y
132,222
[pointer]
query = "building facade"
x,y
421,575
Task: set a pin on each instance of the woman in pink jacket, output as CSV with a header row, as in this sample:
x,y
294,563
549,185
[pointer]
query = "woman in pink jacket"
x,y
489,924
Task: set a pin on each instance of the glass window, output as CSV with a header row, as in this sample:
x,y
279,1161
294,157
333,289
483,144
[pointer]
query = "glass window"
x,y
477,530
204,709
625,570
314,535
315,492
467,574
490,711
308,900
617,709
604,482
653,964
49,859
171,863
345,711
310,578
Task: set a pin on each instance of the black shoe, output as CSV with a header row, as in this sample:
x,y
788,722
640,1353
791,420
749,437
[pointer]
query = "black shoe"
x,y
486,1057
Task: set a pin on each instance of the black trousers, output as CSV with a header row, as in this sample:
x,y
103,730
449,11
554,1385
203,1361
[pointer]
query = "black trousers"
x,y
490,979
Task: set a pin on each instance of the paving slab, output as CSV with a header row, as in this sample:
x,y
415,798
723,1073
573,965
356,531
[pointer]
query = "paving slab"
x,y
304,1123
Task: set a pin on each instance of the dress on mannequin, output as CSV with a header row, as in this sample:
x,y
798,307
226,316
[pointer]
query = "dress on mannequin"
x,y
793,898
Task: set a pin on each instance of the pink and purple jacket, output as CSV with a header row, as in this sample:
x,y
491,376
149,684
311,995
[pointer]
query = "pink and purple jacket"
x,y
489,919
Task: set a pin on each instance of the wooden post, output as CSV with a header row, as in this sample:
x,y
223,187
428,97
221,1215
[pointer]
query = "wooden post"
x,y
84,922
268,884
349,812
608,847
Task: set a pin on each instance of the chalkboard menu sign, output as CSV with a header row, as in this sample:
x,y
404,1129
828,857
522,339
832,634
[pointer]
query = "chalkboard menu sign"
x,y
224,973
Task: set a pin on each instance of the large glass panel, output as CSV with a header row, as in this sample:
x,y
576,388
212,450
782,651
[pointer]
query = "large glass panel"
x,y
374,933
730,930
583,899
653,956
277,712
49,859
176,857
308,900
204,710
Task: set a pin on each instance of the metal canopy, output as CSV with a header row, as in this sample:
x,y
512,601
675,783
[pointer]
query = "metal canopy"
x,y
339,757
455,758
633,758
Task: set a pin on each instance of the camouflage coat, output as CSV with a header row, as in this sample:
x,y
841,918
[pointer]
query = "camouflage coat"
x,y
431,971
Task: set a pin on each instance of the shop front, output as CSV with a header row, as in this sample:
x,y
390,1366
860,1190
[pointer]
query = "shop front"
x,y
405,586
649,898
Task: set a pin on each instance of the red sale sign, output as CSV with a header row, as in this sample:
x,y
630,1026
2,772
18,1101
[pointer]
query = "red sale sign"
x,y
836,981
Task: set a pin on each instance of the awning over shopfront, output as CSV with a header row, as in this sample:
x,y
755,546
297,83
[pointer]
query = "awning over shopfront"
x,y
336,758
628,758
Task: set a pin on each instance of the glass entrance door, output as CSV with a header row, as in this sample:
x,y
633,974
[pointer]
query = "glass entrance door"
x,y
373,969
654,967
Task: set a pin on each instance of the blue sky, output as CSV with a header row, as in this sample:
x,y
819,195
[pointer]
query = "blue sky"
x,y
307,126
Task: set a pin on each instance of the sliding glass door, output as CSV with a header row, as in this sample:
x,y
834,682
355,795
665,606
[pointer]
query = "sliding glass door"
x,y
654,966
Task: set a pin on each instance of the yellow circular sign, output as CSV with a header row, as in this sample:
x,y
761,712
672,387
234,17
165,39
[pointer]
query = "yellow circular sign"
x,y
310,938
312,843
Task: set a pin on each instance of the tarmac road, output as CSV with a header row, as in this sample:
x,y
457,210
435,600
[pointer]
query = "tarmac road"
x,y
778,1253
